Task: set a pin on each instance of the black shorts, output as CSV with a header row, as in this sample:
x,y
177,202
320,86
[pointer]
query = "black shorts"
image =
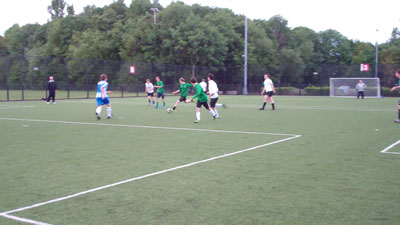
x,y
213,102
269,93
205,104
160,95
150,94
182,99
399,103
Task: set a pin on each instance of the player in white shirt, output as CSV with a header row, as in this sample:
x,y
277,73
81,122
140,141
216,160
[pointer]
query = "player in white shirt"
x,y
203,85
268,91
149,89
213,93
102,97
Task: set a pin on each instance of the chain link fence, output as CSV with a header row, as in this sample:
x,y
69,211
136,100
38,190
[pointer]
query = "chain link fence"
x,y
25,77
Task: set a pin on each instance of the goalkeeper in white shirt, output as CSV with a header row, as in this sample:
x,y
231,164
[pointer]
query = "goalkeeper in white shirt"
x,y
213,93
268,91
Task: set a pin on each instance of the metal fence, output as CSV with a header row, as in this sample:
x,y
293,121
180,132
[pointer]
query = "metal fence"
x,y
25,77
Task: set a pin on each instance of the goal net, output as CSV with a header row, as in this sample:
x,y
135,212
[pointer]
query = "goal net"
x,y
346,87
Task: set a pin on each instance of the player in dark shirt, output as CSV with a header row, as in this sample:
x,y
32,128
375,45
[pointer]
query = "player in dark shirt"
x,y
51,90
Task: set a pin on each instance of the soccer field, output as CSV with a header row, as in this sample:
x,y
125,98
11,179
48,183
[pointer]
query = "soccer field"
x,y
314,160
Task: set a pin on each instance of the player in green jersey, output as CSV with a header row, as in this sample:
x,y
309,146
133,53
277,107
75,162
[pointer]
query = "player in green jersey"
x,y
202,99
160,92
183,89
393,89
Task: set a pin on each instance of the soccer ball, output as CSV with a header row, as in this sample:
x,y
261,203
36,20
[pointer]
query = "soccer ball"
x,y
169,110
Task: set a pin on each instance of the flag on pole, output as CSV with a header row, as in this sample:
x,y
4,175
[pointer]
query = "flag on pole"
x,y
364,67
132,69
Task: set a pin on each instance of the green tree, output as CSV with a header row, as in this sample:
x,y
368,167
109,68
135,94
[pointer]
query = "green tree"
x,y
196,42
362,53
3,47
334,48
227,23
291,66
277,30
140,8
56,9
71,10
19,39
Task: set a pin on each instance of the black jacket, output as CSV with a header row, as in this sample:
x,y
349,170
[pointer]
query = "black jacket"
x,y
51,86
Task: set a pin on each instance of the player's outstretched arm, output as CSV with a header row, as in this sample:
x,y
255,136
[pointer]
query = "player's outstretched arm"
x,y
103,95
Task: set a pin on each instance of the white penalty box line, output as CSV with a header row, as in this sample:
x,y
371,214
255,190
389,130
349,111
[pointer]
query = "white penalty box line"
x,y
7,214
390,147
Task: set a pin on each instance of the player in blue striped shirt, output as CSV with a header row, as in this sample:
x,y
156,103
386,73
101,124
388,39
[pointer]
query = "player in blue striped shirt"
x,y
102,97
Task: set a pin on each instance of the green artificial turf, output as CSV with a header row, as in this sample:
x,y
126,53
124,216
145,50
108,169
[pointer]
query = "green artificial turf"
x,y
333,173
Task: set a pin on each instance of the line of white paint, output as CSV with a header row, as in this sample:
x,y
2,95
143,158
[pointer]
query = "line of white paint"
x,y
24,220
16,107
7,105
149,127
390,147
148,175
329,108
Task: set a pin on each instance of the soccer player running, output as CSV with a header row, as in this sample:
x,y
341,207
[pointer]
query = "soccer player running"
x,y
202,99
393,89
213,92
360,88
160,92
149,89
51,90
268,91
183,89
102,97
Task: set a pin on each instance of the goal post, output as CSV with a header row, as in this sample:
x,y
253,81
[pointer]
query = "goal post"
x,y
346,87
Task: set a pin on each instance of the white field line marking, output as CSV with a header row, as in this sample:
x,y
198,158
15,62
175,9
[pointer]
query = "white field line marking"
x,y
149,175
24,220
149,127
7,105
15,106
330,108
320,108
390,147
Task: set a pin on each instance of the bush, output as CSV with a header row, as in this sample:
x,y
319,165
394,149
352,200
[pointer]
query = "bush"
x,y
316,90
387,93
287,91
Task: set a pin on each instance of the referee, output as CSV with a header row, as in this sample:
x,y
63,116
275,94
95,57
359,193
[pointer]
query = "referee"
x,y
51,90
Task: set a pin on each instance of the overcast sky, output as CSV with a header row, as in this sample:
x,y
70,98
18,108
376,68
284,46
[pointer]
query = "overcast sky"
x,y
355,19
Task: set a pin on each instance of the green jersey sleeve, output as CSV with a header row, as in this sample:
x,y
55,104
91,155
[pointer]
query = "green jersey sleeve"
x,y
202,97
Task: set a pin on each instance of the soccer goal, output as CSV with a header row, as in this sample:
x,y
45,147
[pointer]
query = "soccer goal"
x,y
346,87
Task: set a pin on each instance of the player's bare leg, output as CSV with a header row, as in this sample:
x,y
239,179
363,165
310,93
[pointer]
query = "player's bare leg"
x,y
265,102
176,104
272,102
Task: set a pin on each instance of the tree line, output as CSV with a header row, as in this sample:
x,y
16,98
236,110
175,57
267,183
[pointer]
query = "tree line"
x,y
193,36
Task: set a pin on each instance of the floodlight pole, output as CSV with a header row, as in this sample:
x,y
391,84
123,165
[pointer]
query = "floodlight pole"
x,y
376,57
245,58
155,10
